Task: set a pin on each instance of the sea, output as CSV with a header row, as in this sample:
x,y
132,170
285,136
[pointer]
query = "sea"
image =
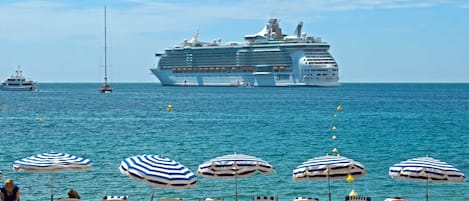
x,y
381,124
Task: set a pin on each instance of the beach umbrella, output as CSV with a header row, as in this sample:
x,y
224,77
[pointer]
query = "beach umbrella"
x,y
51,163
328,168
426,169
234,166
158,171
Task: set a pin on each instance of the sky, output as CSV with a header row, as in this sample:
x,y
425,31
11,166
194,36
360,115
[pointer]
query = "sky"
x,y
372,40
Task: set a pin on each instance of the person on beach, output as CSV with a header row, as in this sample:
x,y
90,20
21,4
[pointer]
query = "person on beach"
x,y
10,192
73,194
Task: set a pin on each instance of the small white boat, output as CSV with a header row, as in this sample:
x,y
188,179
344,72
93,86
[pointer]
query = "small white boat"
x,y
18,83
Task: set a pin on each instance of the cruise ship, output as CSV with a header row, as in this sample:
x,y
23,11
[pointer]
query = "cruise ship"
x,y
268,58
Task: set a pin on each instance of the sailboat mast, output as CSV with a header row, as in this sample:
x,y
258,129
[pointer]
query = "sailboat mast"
x,y
105,88
105,47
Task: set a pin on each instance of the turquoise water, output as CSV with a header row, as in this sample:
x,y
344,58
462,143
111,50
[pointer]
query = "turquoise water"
x,y
380,125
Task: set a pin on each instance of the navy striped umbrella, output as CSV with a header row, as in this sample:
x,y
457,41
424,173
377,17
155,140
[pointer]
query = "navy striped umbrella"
x,y
158,171
328,168
52,162
234,166
426,169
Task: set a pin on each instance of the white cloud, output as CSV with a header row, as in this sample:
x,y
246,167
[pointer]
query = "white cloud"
x,y
291,7
42,21
464,6
50,20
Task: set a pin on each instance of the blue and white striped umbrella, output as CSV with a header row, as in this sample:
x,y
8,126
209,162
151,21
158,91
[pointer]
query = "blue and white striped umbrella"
x,y
328,168
426,169
233,166
158,171
52,162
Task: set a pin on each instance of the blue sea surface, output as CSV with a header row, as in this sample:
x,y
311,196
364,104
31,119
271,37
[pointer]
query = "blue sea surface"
x,y
380,125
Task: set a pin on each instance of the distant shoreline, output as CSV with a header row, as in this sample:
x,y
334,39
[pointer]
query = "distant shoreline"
x,y
340,82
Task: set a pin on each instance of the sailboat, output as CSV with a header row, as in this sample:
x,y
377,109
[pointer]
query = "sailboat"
x,y
105,88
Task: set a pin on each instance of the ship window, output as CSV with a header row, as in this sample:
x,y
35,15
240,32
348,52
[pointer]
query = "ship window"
x,y
318,74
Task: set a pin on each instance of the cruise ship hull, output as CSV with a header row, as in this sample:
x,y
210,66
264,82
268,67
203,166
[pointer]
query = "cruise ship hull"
x,y
168,78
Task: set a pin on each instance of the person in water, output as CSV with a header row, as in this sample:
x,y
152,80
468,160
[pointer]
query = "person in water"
x,y
10,192
73,194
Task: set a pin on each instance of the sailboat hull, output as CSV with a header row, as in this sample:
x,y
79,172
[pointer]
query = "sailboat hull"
x,y
106,89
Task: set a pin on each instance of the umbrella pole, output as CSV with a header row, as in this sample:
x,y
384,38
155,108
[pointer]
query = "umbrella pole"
x,y
152,194
427,190
52,187
236,187
235,171
329,182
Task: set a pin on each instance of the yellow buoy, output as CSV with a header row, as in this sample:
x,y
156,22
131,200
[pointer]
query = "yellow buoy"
x,y
334,128
350,178
42,118
334,137
353,193
170,108
335,151
339,108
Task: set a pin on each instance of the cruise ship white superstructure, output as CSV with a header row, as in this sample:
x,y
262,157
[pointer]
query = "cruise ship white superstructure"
x,y
268,58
